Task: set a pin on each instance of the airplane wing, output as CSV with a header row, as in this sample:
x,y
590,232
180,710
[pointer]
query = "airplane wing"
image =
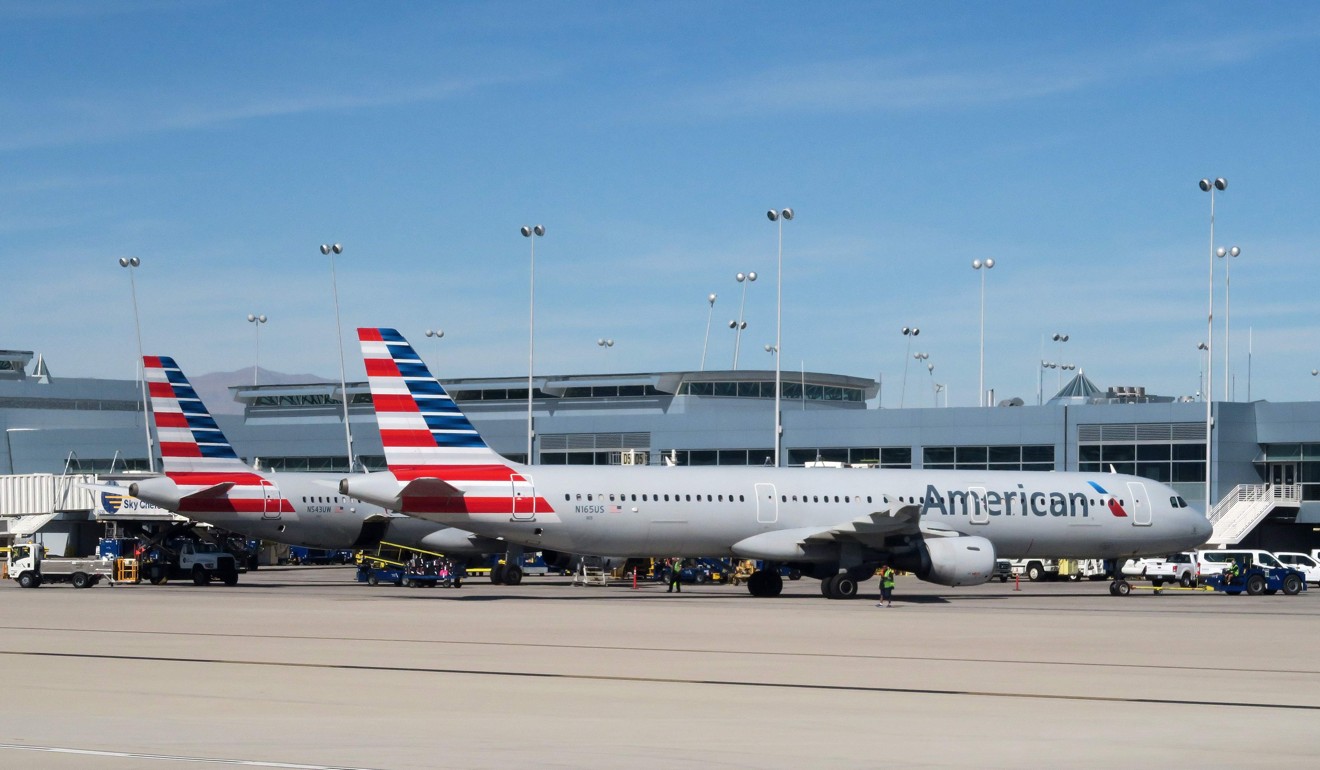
x,y
869,530
874,527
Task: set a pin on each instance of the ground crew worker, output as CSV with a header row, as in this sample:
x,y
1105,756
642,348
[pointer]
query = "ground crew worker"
x,y
1232,571
675,582
886,586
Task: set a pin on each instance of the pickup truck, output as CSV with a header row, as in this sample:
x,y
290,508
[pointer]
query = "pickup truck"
x,y
1180,568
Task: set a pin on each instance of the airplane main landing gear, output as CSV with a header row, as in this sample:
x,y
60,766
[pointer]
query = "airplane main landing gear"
x,y
840,586
765,583
1120,587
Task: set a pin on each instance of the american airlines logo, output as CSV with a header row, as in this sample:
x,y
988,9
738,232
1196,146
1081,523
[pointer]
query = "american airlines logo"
x,y
1015,502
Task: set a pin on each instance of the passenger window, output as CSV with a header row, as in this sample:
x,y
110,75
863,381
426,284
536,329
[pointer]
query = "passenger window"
x,y
567,497
689,498
783,498
579,497
611,497
721,498
815,499
868,498
740,498
588,497
634,498
666,498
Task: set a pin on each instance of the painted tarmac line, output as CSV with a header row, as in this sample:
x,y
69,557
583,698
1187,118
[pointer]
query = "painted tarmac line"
x,y
173,758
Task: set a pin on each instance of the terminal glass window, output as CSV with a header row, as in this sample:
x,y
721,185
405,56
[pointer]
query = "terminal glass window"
x,y
1031,457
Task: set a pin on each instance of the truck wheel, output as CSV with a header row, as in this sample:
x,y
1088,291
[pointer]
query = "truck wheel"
x,y
231,578
1034,571
1255,585
1185,580
28,580
158,577
200,576
1292,585
1156,582
79,580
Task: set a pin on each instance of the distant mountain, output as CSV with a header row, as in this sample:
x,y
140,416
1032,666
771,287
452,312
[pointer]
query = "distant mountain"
x,y
214,387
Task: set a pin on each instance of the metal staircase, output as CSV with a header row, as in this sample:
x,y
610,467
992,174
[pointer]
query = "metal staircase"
x,y
1246,506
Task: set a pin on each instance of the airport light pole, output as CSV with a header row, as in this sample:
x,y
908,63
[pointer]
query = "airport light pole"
x,y
745,279
1040,386
528,232
331,250
977,264
1206,185
1200,382
779,218
256,321
1059,338
438,334
711,299
1228,255
931,369
132,263
909,332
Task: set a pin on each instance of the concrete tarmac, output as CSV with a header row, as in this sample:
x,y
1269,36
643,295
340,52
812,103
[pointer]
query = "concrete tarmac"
x,y
302,667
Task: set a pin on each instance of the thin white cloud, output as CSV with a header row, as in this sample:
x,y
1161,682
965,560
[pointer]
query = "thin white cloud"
x,y
978,78
106,118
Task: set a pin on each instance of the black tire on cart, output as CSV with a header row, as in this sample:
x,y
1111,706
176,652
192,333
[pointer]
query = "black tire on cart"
x,y
1292,585
373,579
1035,571
1256,585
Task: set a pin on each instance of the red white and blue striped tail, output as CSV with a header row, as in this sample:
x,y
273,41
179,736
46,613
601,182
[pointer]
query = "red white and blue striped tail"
x,y
421,428
190,440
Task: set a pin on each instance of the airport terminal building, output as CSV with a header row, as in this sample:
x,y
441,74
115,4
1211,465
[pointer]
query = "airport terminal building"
x,y
1265,477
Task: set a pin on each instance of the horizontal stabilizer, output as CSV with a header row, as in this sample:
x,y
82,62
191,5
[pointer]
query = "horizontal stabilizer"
x,y
430,487
215,490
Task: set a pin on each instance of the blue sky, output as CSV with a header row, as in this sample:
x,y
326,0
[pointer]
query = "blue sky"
x,y
223,142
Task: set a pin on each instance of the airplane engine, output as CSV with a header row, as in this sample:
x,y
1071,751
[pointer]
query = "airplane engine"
x,y
558,560
160,491
950,561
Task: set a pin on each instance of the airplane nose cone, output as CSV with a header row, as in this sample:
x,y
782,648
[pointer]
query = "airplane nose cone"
x,y
1202,527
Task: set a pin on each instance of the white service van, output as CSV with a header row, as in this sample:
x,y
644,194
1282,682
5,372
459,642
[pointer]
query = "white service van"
x,y
1213,562
1309,566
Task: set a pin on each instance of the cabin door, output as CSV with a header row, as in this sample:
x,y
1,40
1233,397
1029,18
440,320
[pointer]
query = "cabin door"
x,y
1140,504
767,504
524,499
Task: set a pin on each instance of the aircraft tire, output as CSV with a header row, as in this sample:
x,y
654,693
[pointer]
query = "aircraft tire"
x,y
756,583
774,584
1124,588
513,575
827,586
845,587
497,574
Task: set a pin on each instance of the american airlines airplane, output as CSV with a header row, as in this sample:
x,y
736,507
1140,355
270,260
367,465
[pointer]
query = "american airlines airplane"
x,y
838,525
206,481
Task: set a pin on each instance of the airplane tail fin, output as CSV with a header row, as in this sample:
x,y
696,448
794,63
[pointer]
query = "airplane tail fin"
x,y
421,427
190,440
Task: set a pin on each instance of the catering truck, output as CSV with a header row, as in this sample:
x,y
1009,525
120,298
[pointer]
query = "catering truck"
x,y
28,564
